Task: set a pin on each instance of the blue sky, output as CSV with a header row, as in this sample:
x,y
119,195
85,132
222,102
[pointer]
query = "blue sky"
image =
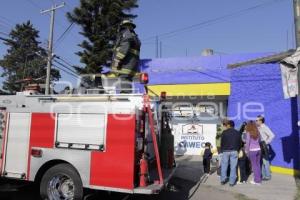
x,y
264,29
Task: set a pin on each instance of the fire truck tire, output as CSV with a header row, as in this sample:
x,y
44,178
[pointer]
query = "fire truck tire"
x,y
61,182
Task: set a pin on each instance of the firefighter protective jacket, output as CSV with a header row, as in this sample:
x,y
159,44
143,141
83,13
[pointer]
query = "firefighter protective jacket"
x,y
126,53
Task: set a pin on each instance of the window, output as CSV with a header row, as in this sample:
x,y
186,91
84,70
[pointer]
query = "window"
x,y
183,110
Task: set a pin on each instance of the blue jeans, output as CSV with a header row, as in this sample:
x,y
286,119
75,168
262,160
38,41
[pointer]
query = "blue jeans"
x,y
265,169
232,158
219,159
219,164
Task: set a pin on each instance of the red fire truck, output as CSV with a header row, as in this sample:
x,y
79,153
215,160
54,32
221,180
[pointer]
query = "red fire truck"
x,y
69,142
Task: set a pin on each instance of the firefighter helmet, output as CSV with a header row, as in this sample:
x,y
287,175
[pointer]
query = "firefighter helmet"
x,y
127,22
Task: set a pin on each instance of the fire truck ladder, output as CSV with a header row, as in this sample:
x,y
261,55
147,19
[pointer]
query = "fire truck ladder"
x,y
147,108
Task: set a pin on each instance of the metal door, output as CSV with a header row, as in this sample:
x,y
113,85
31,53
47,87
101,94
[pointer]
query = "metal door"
x,y
16,159
81,130
2,135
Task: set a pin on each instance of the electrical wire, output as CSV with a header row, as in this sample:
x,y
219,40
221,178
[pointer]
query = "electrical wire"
x,y
211,21
6,34
36,5
67,70
67,30
64,60
75,76
70,71
7,21
66,67
63,35
58,22
5,26
37,53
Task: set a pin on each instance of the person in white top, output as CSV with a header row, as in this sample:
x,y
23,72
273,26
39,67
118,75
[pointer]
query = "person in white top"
x,y
267,137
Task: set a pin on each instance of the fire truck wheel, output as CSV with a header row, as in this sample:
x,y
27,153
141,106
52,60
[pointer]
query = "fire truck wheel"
x,y
61,182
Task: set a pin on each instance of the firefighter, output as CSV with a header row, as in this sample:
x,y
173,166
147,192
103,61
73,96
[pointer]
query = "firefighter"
x,y
126,55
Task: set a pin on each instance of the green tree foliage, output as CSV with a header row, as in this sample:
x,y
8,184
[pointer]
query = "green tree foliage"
x,y
99,21
25,58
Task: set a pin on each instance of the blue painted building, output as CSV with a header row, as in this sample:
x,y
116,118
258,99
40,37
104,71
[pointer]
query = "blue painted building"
x,y
247,91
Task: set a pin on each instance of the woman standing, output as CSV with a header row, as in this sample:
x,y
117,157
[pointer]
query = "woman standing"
x,y
253,150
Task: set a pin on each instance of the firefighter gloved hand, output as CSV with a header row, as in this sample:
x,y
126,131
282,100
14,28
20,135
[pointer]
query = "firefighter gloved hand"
x,y
116,64
115,67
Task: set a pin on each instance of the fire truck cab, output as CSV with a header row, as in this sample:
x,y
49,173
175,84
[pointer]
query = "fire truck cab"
x,y
69,142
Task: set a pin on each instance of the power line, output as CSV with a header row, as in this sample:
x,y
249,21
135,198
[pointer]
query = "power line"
x,y
43,46
66,67
66,71
64,60
59,57
53,2
220,52
5,25
212,21
36,5
70,71
148,43
7,21
62,36
67,5
6,34
58,22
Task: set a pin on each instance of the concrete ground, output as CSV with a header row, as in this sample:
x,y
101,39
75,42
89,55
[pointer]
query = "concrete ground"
x,y
189,183
279,188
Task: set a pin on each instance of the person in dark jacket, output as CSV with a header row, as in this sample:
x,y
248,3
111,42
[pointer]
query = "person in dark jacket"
x,y
207,156
126,55
230,145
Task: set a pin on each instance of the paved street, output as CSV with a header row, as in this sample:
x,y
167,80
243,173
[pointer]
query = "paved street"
x,y
189,184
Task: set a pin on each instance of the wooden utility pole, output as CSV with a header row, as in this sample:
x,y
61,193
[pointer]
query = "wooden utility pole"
x,y
296,4
156,47
50,44
160,49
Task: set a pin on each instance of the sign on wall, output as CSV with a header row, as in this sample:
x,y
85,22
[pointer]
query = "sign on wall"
x,y
191,138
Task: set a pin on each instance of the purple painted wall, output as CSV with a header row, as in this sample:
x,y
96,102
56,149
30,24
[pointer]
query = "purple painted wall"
x,y
259,84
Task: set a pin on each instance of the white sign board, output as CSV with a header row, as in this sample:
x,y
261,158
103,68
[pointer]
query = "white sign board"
x,y
191,138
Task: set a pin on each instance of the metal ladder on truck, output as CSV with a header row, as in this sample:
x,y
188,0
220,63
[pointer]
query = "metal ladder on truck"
x,y
148,110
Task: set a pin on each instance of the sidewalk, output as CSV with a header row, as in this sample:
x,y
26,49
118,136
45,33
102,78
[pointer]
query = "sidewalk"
x,y
281,187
